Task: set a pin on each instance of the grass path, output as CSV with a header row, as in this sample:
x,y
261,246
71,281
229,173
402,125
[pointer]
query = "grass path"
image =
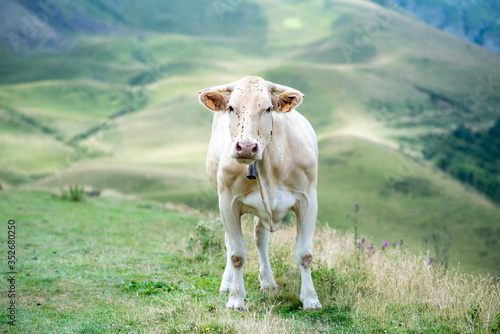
x,y
362,135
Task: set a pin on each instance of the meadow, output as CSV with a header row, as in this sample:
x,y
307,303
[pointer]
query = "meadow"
x,y
111,265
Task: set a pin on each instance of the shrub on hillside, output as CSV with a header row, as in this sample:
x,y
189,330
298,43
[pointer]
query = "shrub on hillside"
x,y
471,156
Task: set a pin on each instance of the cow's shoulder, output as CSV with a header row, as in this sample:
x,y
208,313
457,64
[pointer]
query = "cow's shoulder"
x,y
219,143
294,151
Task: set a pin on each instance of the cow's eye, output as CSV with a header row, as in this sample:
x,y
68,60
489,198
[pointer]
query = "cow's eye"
x,y
268,109
230,109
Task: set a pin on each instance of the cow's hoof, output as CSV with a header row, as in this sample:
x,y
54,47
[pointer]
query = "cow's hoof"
x,y
235,308
268,288
235,304
311,304
267,283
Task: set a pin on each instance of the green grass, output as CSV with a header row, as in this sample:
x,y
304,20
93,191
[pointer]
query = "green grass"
x,y
64,267
111,265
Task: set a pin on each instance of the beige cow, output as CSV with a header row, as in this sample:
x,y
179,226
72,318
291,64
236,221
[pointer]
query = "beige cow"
x,y
252,124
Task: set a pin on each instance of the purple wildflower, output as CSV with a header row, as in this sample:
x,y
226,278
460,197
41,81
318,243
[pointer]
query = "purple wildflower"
x,y
358,245
357,208
363,240
385,244
431,261
426,241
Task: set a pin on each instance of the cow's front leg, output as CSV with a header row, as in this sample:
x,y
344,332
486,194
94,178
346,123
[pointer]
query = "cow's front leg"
x,y
266,278
237,250
306,213
227,277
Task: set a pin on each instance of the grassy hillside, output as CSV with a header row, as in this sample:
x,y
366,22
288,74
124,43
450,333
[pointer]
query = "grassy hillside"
x,y
109,265
403,199
117,109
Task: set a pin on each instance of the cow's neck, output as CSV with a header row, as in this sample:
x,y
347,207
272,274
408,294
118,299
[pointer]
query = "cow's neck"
x,y
266,181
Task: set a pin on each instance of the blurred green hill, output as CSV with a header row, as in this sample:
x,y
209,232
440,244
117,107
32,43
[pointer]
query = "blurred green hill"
x,y
104,94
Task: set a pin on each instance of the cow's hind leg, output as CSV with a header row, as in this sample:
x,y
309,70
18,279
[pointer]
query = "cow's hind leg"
x,y
306,212
227,277
266,278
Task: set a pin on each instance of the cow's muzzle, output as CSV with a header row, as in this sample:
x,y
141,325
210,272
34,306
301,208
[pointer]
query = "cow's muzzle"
x,y
246,151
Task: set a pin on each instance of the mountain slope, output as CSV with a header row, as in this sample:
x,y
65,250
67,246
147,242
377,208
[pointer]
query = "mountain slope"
x,y
476,21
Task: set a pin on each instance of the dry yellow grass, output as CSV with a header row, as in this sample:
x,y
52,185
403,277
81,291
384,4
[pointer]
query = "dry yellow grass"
x,y
398,281
389,288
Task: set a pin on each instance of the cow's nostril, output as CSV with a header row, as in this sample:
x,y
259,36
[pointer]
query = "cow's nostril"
x,y
254,149
238,147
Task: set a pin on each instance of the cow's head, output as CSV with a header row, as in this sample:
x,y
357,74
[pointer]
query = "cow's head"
x,y
250,104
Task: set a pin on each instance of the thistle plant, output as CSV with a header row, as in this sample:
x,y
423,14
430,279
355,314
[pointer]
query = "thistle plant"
x,y
442,243
354,219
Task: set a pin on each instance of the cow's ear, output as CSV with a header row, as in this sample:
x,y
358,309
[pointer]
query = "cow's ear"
x,y
287,101
213,100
